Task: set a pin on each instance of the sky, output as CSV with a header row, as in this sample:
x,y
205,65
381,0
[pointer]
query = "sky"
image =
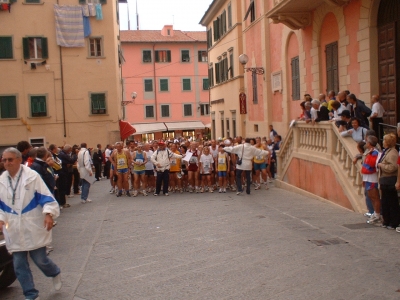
x,y
154,14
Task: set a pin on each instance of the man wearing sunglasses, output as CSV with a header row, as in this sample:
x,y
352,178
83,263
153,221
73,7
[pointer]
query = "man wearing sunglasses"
x,y
27,210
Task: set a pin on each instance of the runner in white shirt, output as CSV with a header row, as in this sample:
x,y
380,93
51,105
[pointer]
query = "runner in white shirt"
x,y
206,164
377,116
214,153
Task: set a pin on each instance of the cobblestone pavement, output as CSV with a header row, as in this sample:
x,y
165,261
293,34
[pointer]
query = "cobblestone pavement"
x,y
268,245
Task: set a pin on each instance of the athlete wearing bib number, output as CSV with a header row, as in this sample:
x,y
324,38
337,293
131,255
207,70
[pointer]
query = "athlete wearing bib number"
x,y
260,165
121,160
139,166
206,167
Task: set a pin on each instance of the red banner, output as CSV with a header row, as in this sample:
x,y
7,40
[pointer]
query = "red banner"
x,y
242,103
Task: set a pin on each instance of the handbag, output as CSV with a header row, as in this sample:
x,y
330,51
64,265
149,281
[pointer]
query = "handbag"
x,y
388,180
239,162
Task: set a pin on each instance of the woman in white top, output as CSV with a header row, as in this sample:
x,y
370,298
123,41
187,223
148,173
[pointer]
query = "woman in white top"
x,y
206,164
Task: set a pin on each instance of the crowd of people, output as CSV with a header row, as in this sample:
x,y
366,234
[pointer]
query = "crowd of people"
x,y
379,163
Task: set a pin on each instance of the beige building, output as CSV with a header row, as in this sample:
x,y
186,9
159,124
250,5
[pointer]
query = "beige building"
x,y
52,94
224,43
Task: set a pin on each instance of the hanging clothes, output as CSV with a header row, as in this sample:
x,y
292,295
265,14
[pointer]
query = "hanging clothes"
x,y
87,30
85,10
99,12
69,26
92,10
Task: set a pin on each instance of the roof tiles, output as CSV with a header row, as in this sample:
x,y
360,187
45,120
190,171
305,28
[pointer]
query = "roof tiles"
x,y
154,36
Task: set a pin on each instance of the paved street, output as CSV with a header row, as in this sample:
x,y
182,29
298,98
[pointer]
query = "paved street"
x,y
268,245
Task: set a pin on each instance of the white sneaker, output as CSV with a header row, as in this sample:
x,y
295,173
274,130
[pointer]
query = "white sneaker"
x,y
112,191
88,201
57,282
83,201
220,190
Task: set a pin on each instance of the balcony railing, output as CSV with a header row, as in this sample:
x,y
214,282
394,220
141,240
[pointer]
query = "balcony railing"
x,y
323,143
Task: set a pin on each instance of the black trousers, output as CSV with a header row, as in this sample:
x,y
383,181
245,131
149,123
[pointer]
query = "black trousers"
x,y
98,170
162,178
62,188
107,167
77,178
70,175
375,127
390,207
239,180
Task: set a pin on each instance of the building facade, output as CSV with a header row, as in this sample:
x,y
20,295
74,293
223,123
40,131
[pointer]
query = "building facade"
x,y
167,72
54,94
310,46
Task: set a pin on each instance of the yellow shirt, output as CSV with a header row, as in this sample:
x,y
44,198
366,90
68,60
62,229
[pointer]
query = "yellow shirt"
x,y
122,161
175,163
222,162
259,159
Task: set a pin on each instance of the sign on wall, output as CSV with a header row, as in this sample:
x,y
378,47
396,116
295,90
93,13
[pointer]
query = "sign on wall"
x,y
242,103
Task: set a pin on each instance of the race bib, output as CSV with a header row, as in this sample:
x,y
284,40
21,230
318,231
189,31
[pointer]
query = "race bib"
x,y
121,162
259,157
193,160
139,161
221,160
173,162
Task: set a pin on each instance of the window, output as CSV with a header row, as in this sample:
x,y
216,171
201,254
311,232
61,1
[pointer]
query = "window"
x,y
211,76
209,38
203,56
98,103
221,70
92,1
229,15
149,111
204,109
36,142
38,106
6,50
168,134
227,127
188,133
148,85
147,137
255,93
8,107
95,47
187,110
233,123
163,56
219,26
164,85
164,111
205,84
185,56
146,56
31,1
332,76
231,64
251,11
295,78
222,125
35,47
186,86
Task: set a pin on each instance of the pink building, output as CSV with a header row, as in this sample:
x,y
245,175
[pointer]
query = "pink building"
x,y
168,71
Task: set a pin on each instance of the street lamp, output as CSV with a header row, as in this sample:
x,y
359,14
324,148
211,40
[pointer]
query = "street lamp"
x,y
243,59
126,102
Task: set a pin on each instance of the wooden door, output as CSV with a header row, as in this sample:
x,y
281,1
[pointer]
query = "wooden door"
x,y
387,71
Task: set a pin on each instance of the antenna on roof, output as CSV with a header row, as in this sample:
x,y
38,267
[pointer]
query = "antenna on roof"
x,y
137,18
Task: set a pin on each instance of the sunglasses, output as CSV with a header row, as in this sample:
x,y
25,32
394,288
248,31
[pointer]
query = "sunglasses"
x,y
4,160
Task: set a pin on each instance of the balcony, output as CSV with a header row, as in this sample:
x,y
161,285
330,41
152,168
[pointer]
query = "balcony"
x,y
297,14
317,161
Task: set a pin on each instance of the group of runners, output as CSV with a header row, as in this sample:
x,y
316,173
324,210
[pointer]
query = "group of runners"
x,y
194,167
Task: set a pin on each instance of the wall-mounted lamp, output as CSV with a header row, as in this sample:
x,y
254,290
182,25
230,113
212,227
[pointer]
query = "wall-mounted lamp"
x,y
243,59
126,102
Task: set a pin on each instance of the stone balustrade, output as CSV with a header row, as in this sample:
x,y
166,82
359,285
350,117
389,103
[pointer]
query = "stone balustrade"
x,y
322,144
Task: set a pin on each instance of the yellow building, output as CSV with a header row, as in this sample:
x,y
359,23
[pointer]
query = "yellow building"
x,y
224,43
52,94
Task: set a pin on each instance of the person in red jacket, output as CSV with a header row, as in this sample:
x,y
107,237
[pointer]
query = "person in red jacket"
x,y
370,178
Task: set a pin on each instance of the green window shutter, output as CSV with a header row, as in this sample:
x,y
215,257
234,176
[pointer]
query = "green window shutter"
x,y
168,56
157,57
103,1
164,110
6,50
102,101
25,46
205,83
185,56
13,1
45,52
148,85
186,84
187,110
231,67
95,102
8,107
164,85
38,106
149,112
82,1
147,56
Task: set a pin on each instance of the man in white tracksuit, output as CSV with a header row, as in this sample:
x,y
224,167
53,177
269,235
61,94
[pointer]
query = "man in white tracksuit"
x,y
245,153
27,212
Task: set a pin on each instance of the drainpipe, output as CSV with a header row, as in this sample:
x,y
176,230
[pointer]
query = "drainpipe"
x,y
62,90
155,82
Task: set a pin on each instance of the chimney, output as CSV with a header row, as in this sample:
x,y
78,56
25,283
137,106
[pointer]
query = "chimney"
x,y
168,30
